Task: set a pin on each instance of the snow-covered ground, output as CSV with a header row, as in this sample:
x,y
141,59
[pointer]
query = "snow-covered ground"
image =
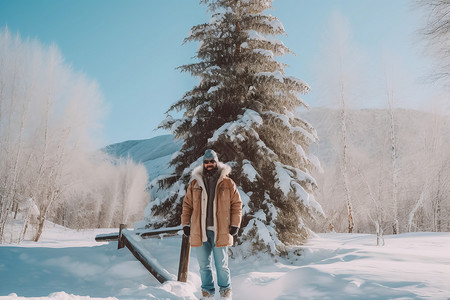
x,y
68,264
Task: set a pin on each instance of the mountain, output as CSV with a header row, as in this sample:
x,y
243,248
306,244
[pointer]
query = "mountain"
x,y
369,132
154,153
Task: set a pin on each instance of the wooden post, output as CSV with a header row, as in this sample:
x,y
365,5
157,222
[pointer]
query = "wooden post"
x,y
120,243
144,256
183,267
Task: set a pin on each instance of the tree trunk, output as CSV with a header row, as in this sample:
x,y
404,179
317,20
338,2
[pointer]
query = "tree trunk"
x,y
40,228
351,223
395,226
344,164
380,235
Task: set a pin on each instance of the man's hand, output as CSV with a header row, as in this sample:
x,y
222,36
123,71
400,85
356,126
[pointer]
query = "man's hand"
x,y
234,230
187,230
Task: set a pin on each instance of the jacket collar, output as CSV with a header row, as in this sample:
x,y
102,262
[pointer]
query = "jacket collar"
x,y
197,173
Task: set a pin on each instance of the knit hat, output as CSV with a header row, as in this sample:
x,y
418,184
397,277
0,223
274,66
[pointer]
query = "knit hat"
x,y
210,154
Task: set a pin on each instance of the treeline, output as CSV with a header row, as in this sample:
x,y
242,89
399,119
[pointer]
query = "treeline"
x,y
48,168
398,170
384,171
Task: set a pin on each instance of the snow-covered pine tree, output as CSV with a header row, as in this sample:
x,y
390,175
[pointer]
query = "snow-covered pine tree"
x,y
244,108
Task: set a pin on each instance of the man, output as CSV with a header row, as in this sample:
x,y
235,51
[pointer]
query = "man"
x,y
211,216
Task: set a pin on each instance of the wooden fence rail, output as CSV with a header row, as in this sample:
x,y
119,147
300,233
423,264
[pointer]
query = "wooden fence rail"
x,y
132,239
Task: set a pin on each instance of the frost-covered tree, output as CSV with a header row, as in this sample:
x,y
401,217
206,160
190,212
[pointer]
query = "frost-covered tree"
x,y
47,115
436,32
106,192
341,79
394,158
46,111
426,211
244,107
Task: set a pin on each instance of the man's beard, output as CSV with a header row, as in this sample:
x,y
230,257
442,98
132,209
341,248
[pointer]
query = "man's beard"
x,y
211,171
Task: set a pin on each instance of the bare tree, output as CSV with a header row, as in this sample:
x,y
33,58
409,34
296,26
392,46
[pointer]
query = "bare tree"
x,y
377,206
431,167
344,161
436,32
341,83
14,109
47,112
394,155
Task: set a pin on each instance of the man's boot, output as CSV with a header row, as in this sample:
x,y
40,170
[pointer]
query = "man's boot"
x,y
225,294
207,295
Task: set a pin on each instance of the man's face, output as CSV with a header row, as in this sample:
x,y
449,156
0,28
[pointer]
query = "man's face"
x,y
209,164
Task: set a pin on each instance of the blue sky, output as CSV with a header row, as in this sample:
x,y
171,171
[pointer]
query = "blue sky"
x,y
132,48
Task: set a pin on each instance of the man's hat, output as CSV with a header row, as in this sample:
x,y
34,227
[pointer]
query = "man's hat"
x,y
210,154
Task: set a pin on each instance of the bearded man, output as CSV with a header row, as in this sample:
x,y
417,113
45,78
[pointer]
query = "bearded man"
x,y
211,216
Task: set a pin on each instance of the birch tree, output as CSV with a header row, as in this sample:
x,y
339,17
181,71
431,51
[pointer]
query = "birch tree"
x,y
47,114
427,204
341,81
390,95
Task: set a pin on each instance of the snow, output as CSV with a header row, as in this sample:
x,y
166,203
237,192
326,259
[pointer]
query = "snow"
x,y
68,264
245,197
138,244
265,233
286,122
274,23
249,171
276,75
246,120
264,52
283,177
254,35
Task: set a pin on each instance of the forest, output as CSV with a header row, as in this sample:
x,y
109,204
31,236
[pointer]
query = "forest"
x,y
397,170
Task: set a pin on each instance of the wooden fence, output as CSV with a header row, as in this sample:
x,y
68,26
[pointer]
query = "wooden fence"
x,y
132,239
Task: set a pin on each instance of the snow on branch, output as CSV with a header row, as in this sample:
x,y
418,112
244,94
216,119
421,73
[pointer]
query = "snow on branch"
x,y
268,150
211,70
167,122
288,179
265,24
267,53
215,88
231,129
264,233
275,75
249,170
307,198
316,162
274,23
254,35
245,197
299,82
284,178
173,124
217,18
293,129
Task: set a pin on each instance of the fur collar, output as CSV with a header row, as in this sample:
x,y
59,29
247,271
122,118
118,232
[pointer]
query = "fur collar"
x,y
197,173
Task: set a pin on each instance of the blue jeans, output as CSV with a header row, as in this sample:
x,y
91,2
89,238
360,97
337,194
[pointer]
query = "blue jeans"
x,y
220,260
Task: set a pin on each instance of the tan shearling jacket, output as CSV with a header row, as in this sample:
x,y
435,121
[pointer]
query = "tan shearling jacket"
x,y
227,208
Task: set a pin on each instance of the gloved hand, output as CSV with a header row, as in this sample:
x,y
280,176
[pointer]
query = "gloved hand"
x,y
234,230
187,230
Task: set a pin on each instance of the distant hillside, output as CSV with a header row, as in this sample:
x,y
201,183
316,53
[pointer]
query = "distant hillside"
x,y
154,153
367,130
